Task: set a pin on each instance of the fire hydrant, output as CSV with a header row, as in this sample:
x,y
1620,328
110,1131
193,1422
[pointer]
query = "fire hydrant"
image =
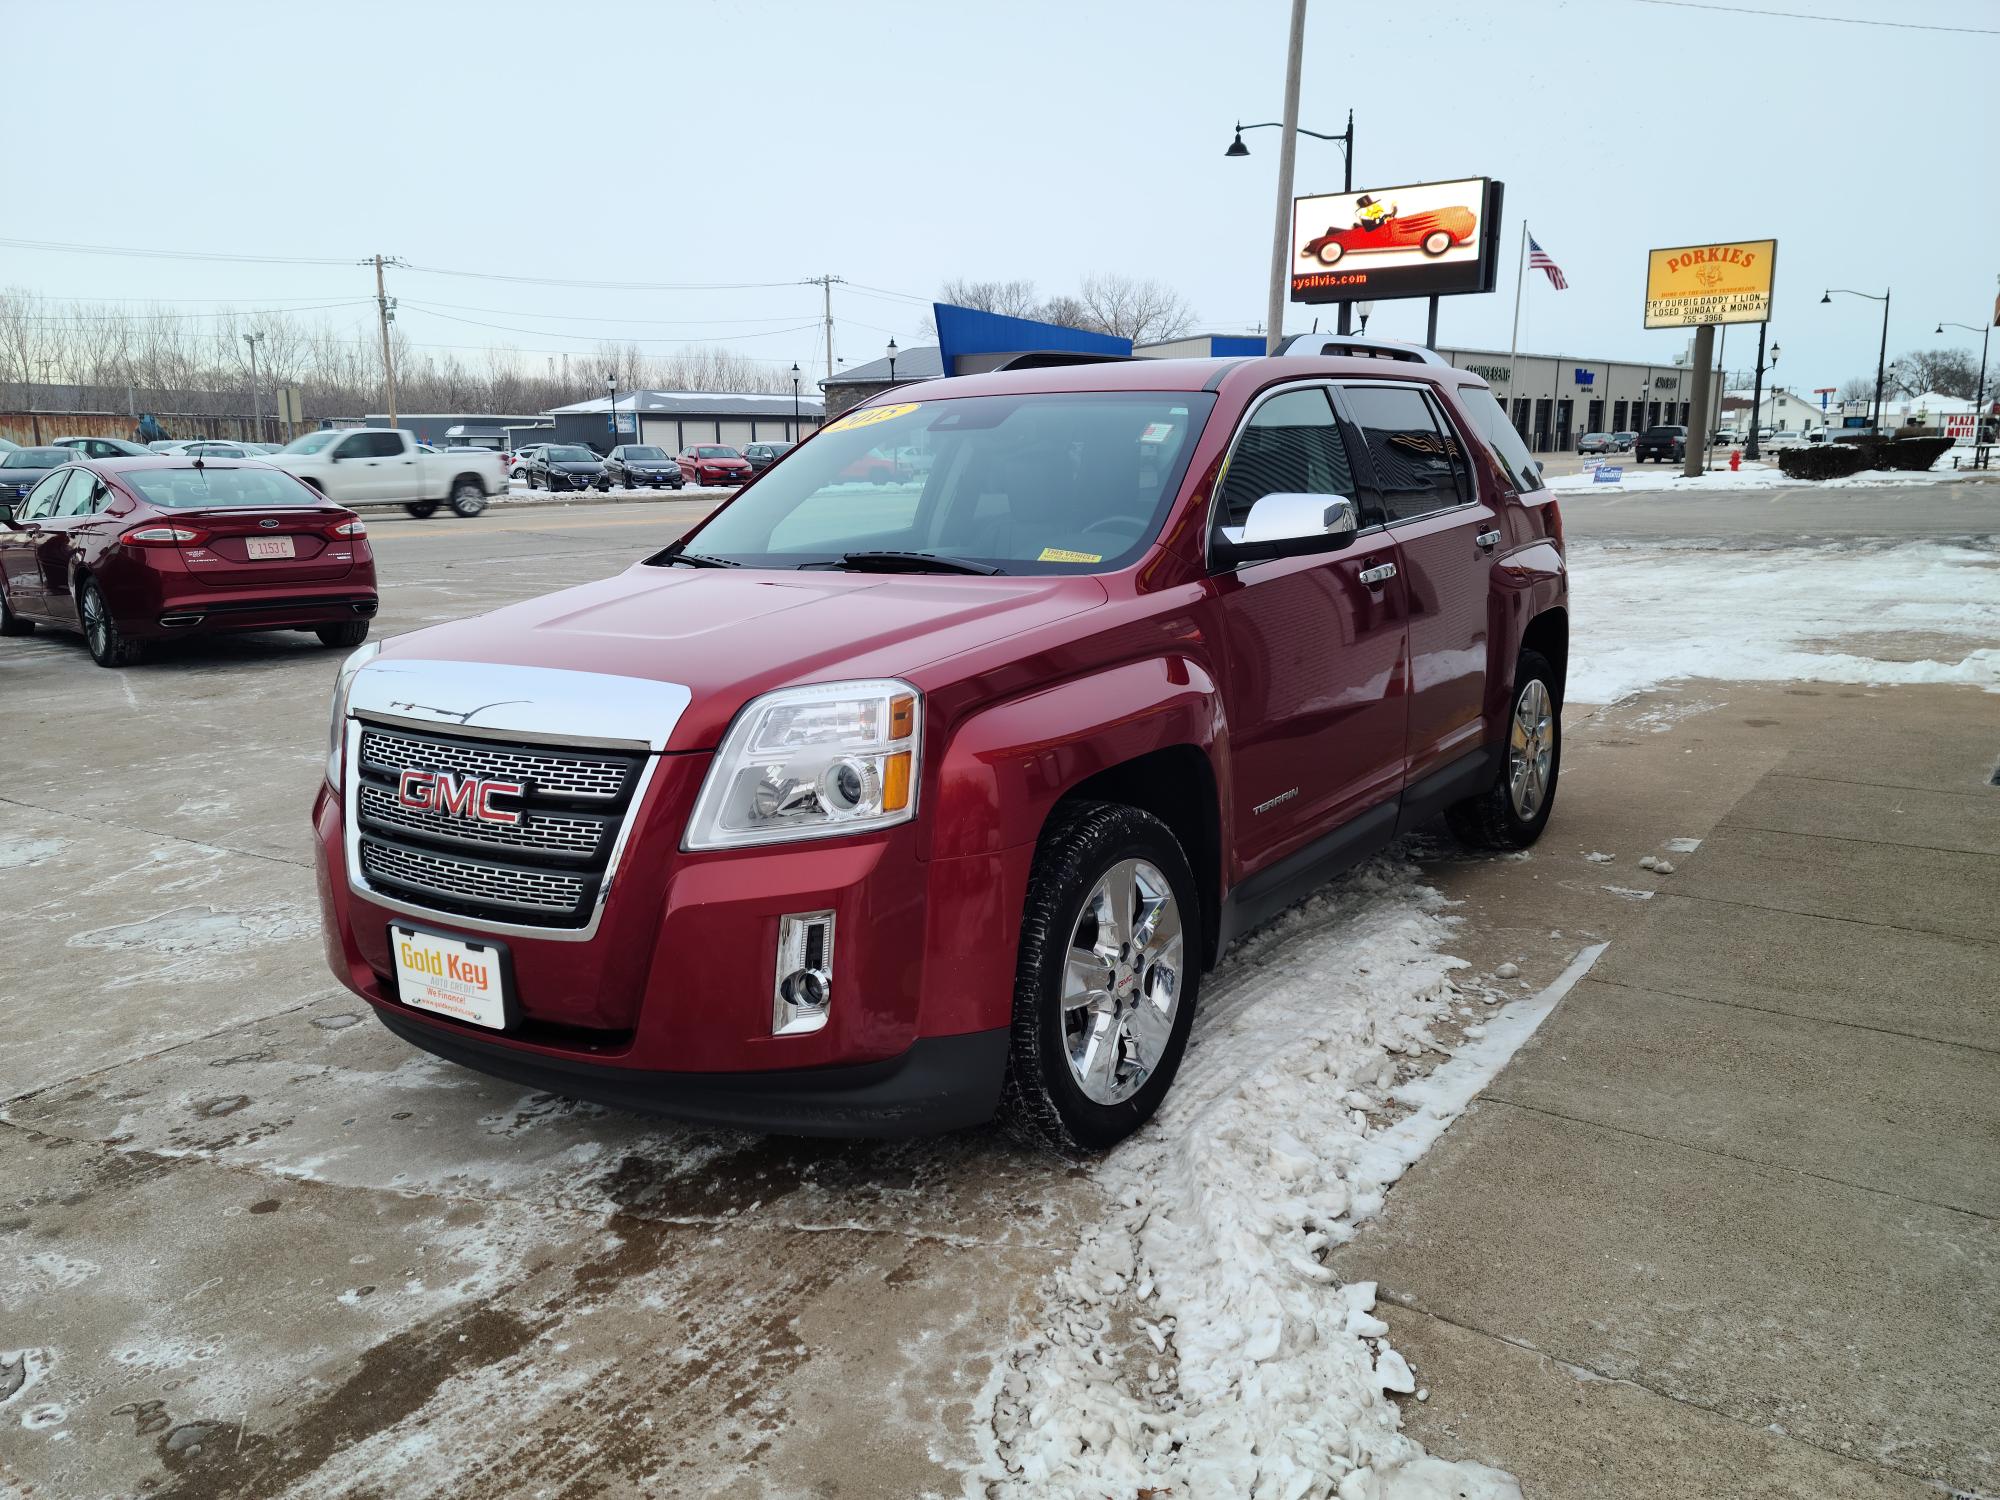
x,y
1735,460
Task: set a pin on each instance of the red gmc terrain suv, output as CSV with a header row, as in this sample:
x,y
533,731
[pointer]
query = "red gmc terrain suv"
x,y
870,812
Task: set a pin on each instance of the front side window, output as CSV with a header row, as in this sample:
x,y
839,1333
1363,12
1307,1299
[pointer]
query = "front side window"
x,y
1416,463
41,502
1291,445
1051,483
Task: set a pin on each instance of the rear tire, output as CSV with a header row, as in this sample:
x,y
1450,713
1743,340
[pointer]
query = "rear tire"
x,y
349,633
468,497
11,623
421,508
1098,857
1512,813
109,646
1330,253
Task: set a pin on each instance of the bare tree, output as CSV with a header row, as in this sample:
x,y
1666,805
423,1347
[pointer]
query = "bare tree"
x,y
1142,310
1952,372
1016,299
1859,388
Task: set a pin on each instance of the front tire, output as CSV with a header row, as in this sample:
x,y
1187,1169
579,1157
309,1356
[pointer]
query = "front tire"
x,y
421,508
1436,242
1512,813
1330,253
109,646
349,633
1107,979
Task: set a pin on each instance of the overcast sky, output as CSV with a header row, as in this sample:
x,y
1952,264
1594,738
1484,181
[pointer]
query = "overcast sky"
x,y
898,144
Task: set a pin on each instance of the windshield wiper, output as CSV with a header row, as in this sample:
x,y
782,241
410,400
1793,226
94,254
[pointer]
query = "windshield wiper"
x,y
677,552
906,562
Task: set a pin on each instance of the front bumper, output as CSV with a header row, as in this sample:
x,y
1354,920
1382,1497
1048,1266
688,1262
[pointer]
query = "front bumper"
x,y
938,1084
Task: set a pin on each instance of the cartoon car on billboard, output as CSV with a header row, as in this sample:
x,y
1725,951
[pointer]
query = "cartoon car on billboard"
x,y
1433,233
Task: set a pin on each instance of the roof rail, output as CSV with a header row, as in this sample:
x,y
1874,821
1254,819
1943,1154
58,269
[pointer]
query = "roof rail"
x,y
1045,359
1347,344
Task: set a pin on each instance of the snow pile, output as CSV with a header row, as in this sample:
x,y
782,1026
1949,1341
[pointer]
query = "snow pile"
x,y
1752,476
1198,1343
1643,616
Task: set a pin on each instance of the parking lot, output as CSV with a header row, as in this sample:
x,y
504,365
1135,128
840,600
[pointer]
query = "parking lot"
x,y
253,1245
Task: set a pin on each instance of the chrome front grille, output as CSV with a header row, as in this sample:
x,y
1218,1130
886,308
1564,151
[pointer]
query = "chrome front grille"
x,y
594,775
544,871
576,836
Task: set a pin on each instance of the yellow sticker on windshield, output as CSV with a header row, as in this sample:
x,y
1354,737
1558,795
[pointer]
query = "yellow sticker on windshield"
x,y
1063,554
869,416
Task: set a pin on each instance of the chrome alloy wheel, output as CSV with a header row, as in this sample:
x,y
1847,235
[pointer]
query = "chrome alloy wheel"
x,y
95,622
1531,745
1121,981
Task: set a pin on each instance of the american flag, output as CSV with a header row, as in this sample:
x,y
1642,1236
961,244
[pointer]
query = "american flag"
x,y
1539,259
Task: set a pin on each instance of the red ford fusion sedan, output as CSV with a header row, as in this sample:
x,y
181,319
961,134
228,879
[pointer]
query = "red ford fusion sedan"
x,y
133,550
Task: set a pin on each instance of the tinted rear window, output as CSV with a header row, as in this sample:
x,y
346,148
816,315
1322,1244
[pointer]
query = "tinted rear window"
x,y
212,488
1491,423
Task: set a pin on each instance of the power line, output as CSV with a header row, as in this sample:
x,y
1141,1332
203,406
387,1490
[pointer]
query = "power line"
x,y
609,286
580,318
218,255
598,339
248,312
1797,15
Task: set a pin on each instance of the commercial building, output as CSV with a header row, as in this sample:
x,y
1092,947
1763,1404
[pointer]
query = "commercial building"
x,y
435,427
674,420
1555,398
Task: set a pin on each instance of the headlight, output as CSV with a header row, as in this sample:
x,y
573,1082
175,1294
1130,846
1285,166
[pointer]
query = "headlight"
x,y
344,684
812,763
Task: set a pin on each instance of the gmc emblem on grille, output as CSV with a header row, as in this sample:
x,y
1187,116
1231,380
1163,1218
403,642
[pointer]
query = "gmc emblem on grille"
x,y
464,796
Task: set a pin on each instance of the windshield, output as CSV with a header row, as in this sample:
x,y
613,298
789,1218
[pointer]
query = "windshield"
x,y
569,455
646,455
312,442
1024,484
37,458
213,489
716,453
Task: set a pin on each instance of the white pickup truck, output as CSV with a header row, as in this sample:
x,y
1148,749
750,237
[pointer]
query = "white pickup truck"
x,y
363,465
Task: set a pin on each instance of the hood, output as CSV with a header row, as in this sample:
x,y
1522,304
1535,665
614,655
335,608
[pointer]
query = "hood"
x,y
728,635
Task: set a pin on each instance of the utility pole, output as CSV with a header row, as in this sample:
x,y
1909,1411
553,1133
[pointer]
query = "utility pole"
x,y
1751,445
1288,150
826,285
387,311
253,339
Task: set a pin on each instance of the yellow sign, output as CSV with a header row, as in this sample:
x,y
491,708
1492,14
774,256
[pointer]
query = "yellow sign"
x,y
1720,283
869,416
1063,554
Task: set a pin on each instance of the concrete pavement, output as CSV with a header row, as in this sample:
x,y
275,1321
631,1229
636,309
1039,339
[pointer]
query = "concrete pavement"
x,y
1726,1225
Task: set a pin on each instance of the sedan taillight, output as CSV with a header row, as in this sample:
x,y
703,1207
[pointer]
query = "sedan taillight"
x,y
160,536
350,528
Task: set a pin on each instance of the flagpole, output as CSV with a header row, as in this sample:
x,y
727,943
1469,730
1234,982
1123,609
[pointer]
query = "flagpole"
x,y
1514,348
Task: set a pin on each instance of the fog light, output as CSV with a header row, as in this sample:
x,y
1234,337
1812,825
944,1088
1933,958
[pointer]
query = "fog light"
x,y
804,973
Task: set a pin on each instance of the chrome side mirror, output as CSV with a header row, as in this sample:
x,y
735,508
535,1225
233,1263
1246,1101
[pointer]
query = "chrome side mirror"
x,y
1288,525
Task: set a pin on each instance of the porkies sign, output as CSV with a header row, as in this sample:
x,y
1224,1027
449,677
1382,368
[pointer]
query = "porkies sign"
x,y
1425,239
1730,282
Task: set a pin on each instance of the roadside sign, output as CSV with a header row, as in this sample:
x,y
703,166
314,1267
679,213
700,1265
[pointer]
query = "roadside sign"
x,y
1590,464
1608,474
1691,285
1423,239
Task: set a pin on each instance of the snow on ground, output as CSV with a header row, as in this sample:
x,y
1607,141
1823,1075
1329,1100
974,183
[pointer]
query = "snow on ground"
x,y
1642,615
1752,476
1197,1345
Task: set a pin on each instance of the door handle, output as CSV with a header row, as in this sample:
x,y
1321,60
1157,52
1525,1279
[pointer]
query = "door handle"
x,y
1488,540
1379,574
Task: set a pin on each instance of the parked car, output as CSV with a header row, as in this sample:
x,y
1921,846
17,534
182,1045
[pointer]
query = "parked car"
x,y
7,446
913,462
102,447
872,467
134,550
1622,441
24,468
566,466
358,465
1594,442
760,456
916,812
164,445
711,463
640,465
517,462
1664,442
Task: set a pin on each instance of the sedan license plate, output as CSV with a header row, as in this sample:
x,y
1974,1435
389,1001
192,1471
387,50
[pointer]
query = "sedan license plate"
x,y
470,982
271,546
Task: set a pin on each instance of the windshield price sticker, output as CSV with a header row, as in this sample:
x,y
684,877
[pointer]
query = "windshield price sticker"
x,y
871,416
1063,554
1157,432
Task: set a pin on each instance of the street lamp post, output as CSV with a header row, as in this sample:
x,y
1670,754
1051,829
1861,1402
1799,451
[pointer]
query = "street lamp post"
x,y
253,339
1281,256
795,401
611,416
891,351
1881,358
1757,392
1978,391
1367,311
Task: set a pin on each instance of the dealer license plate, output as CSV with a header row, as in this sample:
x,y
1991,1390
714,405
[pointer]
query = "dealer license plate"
x,y
465,981
271,546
